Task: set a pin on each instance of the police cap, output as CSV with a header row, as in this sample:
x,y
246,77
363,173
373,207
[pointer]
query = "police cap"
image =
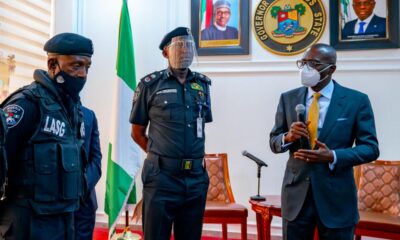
x,y
69,44
179,31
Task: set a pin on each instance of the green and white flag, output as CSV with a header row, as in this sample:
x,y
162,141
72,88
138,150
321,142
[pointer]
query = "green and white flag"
x,y
123,154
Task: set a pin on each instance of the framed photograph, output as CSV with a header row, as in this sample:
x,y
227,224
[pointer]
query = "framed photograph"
x,y
220,27
364,24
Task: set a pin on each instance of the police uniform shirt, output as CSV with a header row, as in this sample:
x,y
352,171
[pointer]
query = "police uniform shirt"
x,y
172,109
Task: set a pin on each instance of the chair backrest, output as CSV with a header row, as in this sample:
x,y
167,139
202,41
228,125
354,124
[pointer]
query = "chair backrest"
x,y
219,189
378,185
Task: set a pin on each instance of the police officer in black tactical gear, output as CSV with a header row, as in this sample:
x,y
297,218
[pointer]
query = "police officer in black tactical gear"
x,y
44,145
174,104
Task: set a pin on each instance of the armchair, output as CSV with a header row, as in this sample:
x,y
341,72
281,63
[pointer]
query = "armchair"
x,y
378,199
221,207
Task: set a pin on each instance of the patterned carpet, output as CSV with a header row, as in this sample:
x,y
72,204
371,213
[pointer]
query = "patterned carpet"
x,y
102,233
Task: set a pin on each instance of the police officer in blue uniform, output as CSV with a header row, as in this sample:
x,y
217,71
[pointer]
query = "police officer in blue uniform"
x,y
44,145
174,105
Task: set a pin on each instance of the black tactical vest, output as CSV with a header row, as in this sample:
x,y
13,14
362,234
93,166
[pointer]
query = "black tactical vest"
x,y
52,163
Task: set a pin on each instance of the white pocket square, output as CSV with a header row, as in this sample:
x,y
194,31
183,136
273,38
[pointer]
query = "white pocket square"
x,y
341,119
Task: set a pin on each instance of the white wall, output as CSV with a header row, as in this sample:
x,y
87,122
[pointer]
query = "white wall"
x,y
245,89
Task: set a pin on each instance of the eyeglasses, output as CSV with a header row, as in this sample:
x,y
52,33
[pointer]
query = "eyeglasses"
x,y
310,63
367,4
220,13
182,44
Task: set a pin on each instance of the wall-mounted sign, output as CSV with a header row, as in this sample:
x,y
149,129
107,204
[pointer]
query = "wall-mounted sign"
x,y
288,27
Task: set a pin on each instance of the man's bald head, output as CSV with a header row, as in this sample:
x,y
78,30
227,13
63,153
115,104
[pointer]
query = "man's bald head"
x,y
323,53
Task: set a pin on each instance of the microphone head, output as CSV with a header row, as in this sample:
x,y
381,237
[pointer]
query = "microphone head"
x,y
244,153
300,109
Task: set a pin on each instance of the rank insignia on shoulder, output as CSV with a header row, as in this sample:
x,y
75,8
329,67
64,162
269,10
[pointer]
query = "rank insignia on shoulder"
x,y
13,114
196,86
149,79
204,78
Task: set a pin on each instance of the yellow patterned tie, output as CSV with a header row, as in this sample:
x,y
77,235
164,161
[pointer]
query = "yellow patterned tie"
x,y
313,116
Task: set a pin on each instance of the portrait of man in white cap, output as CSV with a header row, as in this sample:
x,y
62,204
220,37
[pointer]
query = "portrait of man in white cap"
x,y
219,29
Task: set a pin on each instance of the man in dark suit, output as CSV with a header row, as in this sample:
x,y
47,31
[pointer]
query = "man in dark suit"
x,y
318,188
367,25
85,217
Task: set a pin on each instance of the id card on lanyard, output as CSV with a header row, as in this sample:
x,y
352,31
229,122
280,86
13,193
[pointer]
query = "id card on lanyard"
x,y
200,122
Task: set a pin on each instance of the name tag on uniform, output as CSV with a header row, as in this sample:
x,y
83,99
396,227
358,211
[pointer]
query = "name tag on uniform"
x,y
54,126
171,90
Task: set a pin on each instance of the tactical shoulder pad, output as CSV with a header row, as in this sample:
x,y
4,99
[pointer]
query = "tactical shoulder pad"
x,y
203,78
24,91
151,78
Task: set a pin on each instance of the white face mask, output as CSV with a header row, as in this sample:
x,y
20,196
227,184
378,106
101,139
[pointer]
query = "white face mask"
x,y
310,77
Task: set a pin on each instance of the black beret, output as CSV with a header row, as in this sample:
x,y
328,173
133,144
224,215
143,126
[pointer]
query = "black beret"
x,y
179,31
69,44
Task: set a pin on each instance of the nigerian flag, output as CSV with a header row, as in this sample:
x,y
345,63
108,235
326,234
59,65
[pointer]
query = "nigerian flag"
x,y
345,11
206,13
123,154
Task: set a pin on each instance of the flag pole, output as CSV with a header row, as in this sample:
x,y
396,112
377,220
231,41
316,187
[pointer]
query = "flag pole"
x,y
123,160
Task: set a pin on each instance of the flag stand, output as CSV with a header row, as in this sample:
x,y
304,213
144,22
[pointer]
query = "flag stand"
x,y
127,234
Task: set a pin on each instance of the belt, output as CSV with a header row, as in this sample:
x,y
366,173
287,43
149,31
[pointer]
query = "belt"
x,y
181,164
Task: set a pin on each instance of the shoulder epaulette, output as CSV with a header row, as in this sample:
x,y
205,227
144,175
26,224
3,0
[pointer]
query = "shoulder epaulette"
x,y
203,78
152,77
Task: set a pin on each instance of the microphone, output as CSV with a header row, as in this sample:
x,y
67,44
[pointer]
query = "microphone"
x,y
254,158
300,110
260,164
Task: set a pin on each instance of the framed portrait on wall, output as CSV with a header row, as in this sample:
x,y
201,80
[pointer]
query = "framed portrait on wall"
x,y
220,27
364,24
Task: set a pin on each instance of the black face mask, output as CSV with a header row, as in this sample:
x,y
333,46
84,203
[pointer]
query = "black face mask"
x,y
69,84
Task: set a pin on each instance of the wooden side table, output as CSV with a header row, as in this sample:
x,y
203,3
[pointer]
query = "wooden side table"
x,y
265,210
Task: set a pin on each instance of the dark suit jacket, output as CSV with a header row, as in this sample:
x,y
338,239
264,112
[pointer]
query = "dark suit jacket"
x,y
377,27
349,121
212,33
93,153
